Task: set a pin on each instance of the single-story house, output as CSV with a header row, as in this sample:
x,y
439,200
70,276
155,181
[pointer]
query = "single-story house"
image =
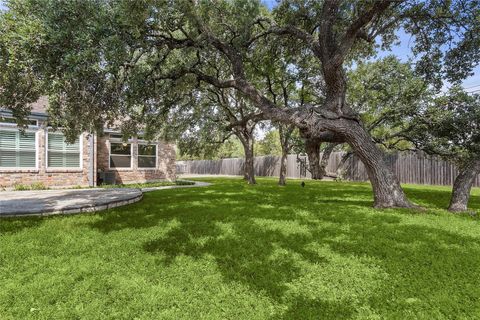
x,y
41,155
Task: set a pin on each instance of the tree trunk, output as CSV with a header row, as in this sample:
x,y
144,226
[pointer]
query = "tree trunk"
x,y
386,189
312,147
283,168
462,186
249,168
285,133
325,157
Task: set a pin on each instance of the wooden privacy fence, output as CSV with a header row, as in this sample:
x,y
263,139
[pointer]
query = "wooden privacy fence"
x,y
410,167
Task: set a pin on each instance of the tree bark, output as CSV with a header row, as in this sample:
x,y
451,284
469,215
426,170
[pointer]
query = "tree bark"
x,y
312,148
462,187
249,168
325,157
285,133
282,180
386,189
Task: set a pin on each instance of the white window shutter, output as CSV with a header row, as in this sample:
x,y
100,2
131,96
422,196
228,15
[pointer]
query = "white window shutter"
x,y
17,150
61,154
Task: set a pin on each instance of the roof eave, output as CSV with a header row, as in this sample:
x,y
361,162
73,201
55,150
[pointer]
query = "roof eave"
x,y
32,116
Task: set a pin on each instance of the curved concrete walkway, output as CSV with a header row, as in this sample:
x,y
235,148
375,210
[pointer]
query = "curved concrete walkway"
x,y
70,201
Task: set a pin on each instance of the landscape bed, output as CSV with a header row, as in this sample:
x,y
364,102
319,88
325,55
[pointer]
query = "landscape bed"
x,y
234,251
149,184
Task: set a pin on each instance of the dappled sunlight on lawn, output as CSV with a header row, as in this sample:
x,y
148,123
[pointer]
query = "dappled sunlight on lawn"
x,y
237,251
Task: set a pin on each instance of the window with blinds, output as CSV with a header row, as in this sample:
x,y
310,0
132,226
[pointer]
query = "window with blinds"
x,y
120,155
147,156
17,149
62,154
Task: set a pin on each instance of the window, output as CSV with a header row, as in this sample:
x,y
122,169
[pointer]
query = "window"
x,y
147,156
61,154
120,155
17,149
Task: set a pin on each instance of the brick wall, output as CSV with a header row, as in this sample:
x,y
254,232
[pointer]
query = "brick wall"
x,y
165,169
49,177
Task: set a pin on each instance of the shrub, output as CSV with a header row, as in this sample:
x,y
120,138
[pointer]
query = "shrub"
x,y
20,187
33,186
184,183
38,186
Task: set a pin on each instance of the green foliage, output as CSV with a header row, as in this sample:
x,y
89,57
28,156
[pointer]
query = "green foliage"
x,y
445,34
447,42
401,112
184,183
387,94
449,126
144,64
33,186
270,144
231,148
21,187
233,251
38,186
18,82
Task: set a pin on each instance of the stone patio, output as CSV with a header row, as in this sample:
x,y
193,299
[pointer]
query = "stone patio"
x,y
48,202
70,201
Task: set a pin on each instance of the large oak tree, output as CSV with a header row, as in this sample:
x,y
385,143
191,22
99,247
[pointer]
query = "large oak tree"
x,y
115,56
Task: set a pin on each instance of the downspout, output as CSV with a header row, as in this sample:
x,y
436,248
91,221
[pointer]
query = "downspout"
x,y
43,164
91,171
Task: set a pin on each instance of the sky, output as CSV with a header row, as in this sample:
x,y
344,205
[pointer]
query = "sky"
x,y
402,51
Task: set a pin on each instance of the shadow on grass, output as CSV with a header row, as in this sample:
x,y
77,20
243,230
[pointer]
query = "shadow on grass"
x,y
265,237
14,224
436,198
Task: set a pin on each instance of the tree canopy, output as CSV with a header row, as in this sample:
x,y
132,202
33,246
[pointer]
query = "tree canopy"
x,y
100,60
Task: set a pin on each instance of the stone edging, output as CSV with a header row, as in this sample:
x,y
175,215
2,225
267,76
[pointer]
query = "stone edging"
x,y
89,209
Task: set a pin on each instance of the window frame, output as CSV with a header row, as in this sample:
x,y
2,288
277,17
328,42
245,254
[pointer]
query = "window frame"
x,y
31,130
47,151
156,155
110,155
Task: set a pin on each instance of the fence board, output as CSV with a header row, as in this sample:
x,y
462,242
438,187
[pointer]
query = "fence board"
x,y
409,167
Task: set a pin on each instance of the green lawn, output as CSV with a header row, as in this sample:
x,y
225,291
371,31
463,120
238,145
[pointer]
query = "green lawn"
x,y
233,251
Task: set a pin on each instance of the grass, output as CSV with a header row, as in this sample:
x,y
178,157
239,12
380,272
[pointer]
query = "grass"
x,y
149,184
233,251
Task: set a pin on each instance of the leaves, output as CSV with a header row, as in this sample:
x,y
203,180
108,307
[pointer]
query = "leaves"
x,y
450,126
